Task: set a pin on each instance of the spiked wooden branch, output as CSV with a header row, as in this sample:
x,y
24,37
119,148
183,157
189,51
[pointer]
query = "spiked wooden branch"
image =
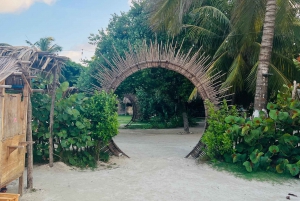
x,y
192,66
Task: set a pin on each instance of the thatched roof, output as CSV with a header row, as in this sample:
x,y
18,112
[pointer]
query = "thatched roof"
x,y
26,59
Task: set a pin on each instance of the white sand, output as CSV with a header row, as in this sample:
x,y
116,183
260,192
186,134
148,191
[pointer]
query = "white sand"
x,y
157,170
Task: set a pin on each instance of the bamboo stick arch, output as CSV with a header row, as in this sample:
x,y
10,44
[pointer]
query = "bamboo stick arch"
x,y
193,66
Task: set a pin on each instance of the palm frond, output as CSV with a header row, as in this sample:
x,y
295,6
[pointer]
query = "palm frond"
x,y
220,64
168,14
211,13
193,95
223,47
236,74
277,80
285,65
251,79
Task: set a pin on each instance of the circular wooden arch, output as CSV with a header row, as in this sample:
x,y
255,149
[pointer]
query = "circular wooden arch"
x,y
193,66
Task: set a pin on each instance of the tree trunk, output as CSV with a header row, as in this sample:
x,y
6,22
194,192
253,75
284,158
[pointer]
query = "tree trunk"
x,y
29,146
261,92
186,127
52,117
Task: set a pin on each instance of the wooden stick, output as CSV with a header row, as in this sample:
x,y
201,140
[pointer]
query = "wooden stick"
x,y
51,118
29,139
20,190
25,80
38,90
6,86
17,73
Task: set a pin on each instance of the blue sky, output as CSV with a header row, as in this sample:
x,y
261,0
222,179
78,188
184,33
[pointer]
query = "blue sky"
x,y
70,22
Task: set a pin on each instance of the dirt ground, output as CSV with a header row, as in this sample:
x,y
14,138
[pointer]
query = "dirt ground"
x,y
157,170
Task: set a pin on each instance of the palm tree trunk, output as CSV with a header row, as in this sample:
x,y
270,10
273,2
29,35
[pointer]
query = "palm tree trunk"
x,y
186,126
261,92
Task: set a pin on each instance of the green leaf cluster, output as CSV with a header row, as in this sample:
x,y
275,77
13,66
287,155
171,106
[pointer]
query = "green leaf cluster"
x,y
217,136
268,142
81,125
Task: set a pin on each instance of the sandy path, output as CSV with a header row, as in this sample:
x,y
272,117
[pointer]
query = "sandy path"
x,y
157,170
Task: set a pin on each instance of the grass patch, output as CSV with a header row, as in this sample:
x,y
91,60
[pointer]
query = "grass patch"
x,y
240,172
122,119
139,125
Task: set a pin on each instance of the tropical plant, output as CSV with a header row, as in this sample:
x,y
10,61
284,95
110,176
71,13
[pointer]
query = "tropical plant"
x,y
81,125
70,72
265,142
45,44
216,138
230,31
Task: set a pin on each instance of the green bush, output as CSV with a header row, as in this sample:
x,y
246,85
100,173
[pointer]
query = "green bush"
x,y
81,125
216,137
268,142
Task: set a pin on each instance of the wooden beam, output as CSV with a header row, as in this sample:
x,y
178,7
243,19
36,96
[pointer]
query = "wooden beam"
x,y
38,90
17,73
29,140
6,86
51,121
21,183
25,80
24,62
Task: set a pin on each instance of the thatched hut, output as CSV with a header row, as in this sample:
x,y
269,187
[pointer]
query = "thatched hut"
x,y
17,66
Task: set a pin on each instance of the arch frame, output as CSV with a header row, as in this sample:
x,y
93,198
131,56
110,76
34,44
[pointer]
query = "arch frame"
x,y
193,66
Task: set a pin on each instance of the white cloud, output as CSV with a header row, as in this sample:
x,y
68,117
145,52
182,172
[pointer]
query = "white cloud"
x,y
79,52
11,6
130,2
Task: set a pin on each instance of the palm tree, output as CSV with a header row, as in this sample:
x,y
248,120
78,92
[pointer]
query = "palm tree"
x,y
45,44
261,92
231,32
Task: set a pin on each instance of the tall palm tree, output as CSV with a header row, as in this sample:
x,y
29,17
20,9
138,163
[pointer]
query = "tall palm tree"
x,y
261,92
45,44
231,31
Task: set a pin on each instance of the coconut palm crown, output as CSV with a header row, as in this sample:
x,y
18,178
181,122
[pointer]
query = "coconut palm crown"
x,y
45,44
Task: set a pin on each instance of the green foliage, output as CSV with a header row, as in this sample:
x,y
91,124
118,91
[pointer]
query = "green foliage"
x,y
158,104
81,125
216,136
45,44
152,86
101,110
231,33
265,142
70,72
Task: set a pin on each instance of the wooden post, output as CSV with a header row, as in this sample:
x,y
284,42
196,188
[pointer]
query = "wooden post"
x,y
29,146
52,117
20,191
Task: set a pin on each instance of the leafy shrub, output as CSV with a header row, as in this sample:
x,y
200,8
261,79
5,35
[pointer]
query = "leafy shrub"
x,y
218,141
81,125
266,142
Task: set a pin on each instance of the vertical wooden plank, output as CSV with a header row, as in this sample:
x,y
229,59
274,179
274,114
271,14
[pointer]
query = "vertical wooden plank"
x,y
2,155
52,117
28,127
21,182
